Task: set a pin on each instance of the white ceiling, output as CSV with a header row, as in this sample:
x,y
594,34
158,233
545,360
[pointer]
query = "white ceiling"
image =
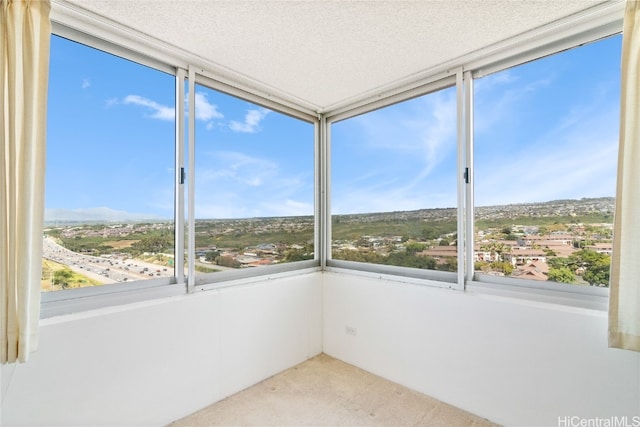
x,y
327,53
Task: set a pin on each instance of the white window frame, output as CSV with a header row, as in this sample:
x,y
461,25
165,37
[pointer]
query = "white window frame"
x,y
82,299
445,279
214,280
595,23
575,31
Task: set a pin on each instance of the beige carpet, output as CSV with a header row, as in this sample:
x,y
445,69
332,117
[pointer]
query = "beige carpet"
x,y
324,391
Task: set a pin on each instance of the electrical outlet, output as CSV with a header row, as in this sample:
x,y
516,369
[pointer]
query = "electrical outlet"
x,y
350,330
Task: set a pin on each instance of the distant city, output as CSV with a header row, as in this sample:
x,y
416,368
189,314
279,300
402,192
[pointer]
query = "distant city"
x,y
566,241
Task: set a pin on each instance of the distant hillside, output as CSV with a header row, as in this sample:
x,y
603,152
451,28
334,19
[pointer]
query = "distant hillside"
x,y
555,208
593,210
94,215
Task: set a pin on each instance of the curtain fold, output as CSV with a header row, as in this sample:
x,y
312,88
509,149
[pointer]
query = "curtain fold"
x,y
624,298
25,31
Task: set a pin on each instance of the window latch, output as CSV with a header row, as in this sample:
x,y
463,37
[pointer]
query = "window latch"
x,y
466,175
182,175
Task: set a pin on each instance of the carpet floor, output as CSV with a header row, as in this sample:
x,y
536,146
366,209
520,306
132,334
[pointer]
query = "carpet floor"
x,y
324,391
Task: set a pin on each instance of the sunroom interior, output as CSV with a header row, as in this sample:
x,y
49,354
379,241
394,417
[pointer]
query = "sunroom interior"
x,y
151,353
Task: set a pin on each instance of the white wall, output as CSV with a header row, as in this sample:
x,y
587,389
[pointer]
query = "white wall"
x,y
150,363
512,362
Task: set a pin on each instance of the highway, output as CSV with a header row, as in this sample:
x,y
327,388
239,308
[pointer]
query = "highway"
x,y
104,269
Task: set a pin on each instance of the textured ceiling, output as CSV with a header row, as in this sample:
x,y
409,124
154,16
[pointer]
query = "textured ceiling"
x,y
326,53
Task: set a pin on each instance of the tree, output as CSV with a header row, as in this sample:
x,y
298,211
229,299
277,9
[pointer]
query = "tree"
x,y
429,234
597,275
596,266
558,262
413,247
301,254
556,226
483,266
496,248
46,271
227,261
561,275
450,264
406,259
153,244
503,266
211,256
62,277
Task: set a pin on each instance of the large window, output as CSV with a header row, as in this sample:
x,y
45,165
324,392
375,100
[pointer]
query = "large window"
x,y
393,183
546,137
254,185
111,177
110,170
543,169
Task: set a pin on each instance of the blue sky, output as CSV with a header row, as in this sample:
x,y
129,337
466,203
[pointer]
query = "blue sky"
x,y
110,146
251,161
544,130
549,129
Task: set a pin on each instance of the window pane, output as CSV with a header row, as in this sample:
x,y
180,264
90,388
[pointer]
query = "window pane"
x,y
394,184
254,185
110,170
546,138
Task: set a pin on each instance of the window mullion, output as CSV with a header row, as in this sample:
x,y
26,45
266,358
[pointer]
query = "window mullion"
x,y
324,180
179,182
469,202
191,247
461,240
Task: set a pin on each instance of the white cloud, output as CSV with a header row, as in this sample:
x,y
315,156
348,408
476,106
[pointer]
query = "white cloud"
x,y
514,96
403,156
229,204
206,111
494,80
85,83
386,191
423,127
251,122
534,147
577,158
238,168
111,102
159,111
572,154
437,133
232,184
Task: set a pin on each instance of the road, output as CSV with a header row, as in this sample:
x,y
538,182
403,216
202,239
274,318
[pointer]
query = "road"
x,y
104,269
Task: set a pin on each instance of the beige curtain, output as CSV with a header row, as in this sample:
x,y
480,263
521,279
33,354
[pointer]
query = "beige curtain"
x,y
25,31
624,299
